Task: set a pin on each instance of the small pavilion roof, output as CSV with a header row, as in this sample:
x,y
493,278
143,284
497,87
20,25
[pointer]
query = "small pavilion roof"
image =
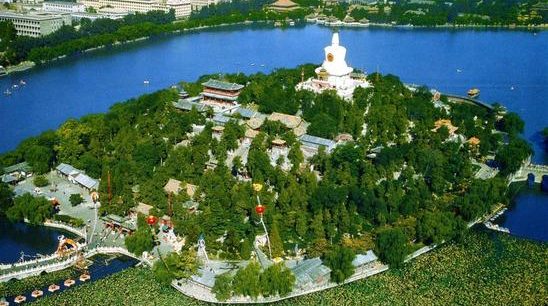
x,y
284,4
173,186
289,121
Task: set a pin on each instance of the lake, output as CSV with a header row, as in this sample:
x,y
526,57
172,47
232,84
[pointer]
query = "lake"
x,y
509,67
32,240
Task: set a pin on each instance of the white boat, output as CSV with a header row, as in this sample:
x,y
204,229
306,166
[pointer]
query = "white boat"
x,y
22,82
146,82
252,64
7,92
459,70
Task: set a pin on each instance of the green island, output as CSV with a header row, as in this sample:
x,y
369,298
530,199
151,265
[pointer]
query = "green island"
x,y
481,269
20,52
303,179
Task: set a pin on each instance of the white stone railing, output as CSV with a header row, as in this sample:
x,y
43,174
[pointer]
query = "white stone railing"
x,y
36,270
116,250
67,227
28,262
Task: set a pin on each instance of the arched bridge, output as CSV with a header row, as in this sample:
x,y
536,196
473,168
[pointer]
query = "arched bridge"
x,y
537,170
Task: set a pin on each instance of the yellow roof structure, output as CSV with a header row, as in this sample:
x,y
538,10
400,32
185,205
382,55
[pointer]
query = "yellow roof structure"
x,y
473,141
283,5
289,121
447,123
173,186
143,208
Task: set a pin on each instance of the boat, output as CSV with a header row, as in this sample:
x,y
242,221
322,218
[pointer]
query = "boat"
x,y
69,282
37,293
84,277
53,288
252,64
146,82
292,23
20,299
459,70
512,88
473,93
7,92
22,82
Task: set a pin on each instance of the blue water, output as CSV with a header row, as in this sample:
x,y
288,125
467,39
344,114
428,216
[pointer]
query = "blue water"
x,y
492,60
526,217
32,240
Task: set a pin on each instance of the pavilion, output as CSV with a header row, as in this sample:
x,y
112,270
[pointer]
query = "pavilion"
x,y
283,6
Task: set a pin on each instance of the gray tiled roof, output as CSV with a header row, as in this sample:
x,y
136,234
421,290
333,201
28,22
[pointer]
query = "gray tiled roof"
x,y
362,259
317,141
24,166
222,85
66,169
86,181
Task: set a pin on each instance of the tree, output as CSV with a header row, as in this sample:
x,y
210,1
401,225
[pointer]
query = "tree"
x,y
140,241
6,198
41,181
76,199
223,287
392,246
511,124
278,280
276,241
339,260
176,266
246,281
35,209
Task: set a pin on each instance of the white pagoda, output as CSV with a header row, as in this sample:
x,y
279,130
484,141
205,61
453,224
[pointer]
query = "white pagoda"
x,y
334,73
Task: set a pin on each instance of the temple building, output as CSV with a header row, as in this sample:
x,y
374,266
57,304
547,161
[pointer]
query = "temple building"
x,y
334,73
221,95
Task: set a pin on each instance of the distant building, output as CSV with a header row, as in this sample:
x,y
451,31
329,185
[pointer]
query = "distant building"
x,y
198,4
182,7
283,6
36,24
63,7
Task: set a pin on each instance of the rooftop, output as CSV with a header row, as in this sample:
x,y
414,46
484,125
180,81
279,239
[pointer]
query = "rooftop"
x,y
314,140
173,186
284,4
289,121
217,84
20,167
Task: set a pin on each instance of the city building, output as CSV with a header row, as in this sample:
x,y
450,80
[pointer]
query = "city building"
x,y
182,8
198,4
334,73
36,24
63,7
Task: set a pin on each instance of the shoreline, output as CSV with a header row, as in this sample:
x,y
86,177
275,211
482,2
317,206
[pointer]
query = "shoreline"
x,y
27,65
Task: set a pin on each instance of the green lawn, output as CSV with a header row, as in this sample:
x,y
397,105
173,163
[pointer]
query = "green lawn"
x,y
483,269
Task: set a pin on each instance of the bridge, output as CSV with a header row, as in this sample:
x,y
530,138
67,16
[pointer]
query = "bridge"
x,y
537,170
55,263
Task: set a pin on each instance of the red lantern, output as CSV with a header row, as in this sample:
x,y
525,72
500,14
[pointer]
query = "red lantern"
x,y
259,209
151,220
